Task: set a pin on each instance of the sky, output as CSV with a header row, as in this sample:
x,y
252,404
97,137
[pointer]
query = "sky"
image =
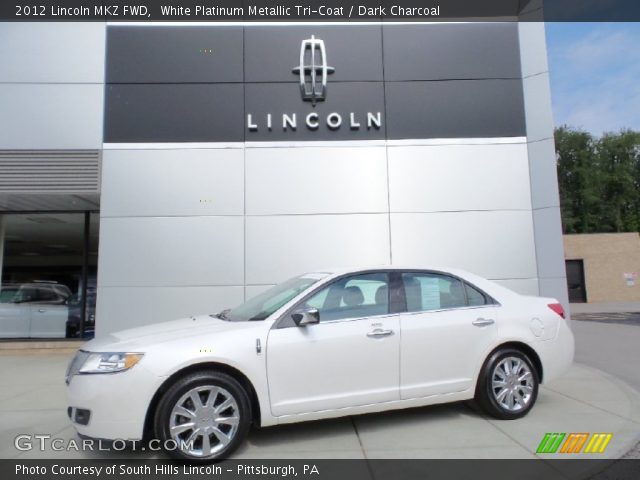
x,y
595,75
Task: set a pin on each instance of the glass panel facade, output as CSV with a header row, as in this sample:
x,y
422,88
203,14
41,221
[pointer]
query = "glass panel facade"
x,y
49,269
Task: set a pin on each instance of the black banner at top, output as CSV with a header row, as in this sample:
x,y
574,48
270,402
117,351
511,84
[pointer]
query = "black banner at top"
x,y
320,11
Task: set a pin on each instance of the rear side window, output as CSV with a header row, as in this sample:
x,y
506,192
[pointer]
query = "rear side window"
x,y
45,294
433,291
475,297
430,291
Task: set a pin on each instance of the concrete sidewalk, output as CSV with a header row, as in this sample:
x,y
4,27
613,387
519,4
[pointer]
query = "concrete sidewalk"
x,y
584,400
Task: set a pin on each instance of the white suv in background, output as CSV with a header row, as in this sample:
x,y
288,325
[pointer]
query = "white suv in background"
x,y
36,309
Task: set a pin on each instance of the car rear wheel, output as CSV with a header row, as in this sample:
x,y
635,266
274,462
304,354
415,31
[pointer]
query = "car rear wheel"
x,y
508,385
206,414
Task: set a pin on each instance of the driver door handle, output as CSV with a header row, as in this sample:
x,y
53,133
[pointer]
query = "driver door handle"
x,y
483,322
41,310
379,333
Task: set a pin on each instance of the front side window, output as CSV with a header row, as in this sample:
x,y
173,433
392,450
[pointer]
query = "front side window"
x,y
431,291
356,296
8,295
26,295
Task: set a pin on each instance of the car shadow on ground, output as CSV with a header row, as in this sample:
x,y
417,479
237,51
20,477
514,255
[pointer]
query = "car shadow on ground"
x,y
343,434
331,438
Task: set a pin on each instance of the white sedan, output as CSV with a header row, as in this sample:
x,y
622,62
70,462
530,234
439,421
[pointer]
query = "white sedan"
x,y
321,345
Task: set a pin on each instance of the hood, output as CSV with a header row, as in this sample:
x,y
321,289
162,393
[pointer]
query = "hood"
x,y
137,339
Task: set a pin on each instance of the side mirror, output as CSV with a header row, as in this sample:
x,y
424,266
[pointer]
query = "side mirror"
x,y
306,316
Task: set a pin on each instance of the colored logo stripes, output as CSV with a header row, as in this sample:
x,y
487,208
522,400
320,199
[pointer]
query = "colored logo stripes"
x,y
598,443
574,443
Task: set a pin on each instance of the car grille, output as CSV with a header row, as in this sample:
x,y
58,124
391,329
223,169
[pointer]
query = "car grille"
x,y
75,365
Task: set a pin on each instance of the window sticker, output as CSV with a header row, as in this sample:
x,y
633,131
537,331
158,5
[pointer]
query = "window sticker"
x,y
430,292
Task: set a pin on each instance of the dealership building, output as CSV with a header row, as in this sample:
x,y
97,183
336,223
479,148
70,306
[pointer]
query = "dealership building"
x,y
152,171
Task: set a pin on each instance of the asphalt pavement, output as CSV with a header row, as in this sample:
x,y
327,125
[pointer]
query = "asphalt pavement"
x,y
610,341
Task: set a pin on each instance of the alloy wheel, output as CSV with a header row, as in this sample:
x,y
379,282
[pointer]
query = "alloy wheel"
x,y
204,420
512,384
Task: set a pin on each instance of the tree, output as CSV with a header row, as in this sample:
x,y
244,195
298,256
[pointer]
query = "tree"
x,y
575,151
618,158
599,181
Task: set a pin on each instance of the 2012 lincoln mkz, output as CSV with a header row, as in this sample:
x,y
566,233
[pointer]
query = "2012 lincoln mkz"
x,y
320,345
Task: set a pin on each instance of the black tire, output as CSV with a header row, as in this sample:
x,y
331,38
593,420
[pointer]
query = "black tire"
x,y
184,385
486,395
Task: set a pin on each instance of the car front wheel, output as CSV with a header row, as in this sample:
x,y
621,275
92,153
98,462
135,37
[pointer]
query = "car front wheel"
x,y
508,385
206,414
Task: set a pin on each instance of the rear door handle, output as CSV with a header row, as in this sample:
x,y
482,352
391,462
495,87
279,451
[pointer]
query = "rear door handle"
x,y
483,322
379,333
41,310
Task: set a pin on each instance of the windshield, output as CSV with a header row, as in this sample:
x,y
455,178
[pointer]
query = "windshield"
x,y
263,305
8,295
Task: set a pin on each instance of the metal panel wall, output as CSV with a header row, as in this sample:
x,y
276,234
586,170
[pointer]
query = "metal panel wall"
x,y
188,54
166,83
50,116
419,189
173,113
52,52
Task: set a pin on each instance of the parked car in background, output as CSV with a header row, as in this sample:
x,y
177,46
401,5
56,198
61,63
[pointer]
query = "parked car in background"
x,y
320,345
34,309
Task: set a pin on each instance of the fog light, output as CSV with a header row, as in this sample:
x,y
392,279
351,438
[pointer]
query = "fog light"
x,y
82,416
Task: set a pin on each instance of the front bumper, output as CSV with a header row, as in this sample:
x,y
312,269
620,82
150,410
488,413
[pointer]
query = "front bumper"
x,y
117,402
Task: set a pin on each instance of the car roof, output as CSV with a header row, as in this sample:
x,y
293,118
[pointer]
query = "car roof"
x,y
494,289
372,268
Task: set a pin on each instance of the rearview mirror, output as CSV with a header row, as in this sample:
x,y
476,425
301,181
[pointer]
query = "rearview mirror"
x,y
306,316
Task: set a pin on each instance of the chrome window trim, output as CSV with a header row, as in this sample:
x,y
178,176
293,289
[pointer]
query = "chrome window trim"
x,y
277,324
474,307
373,317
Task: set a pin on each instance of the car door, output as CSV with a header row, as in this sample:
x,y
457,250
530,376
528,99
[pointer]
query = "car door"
x,y
49,314
350,358
446,330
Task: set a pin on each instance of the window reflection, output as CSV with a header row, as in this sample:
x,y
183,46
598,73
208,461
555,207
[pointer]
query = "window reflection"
x,y
46,261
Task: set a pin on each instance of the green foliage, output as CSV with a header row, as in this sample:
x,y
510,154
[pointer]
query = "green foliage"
x,y
599,181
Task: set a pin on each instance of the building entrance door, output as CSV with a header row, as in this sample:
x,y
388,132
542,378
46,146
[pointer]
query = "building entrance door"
x,y
575,281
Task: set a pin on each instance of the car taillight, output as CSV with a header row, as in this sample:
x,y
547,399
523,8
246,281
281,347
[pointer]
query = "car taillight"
x,y
556,307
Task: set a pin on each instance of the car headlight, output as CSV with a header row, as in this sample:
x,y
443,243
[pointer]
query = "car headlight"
x,y
109,362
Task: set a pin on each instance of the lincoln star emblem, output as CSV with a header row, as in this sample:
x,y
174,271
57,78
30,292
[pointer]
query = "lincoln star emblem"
x,y
313,70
